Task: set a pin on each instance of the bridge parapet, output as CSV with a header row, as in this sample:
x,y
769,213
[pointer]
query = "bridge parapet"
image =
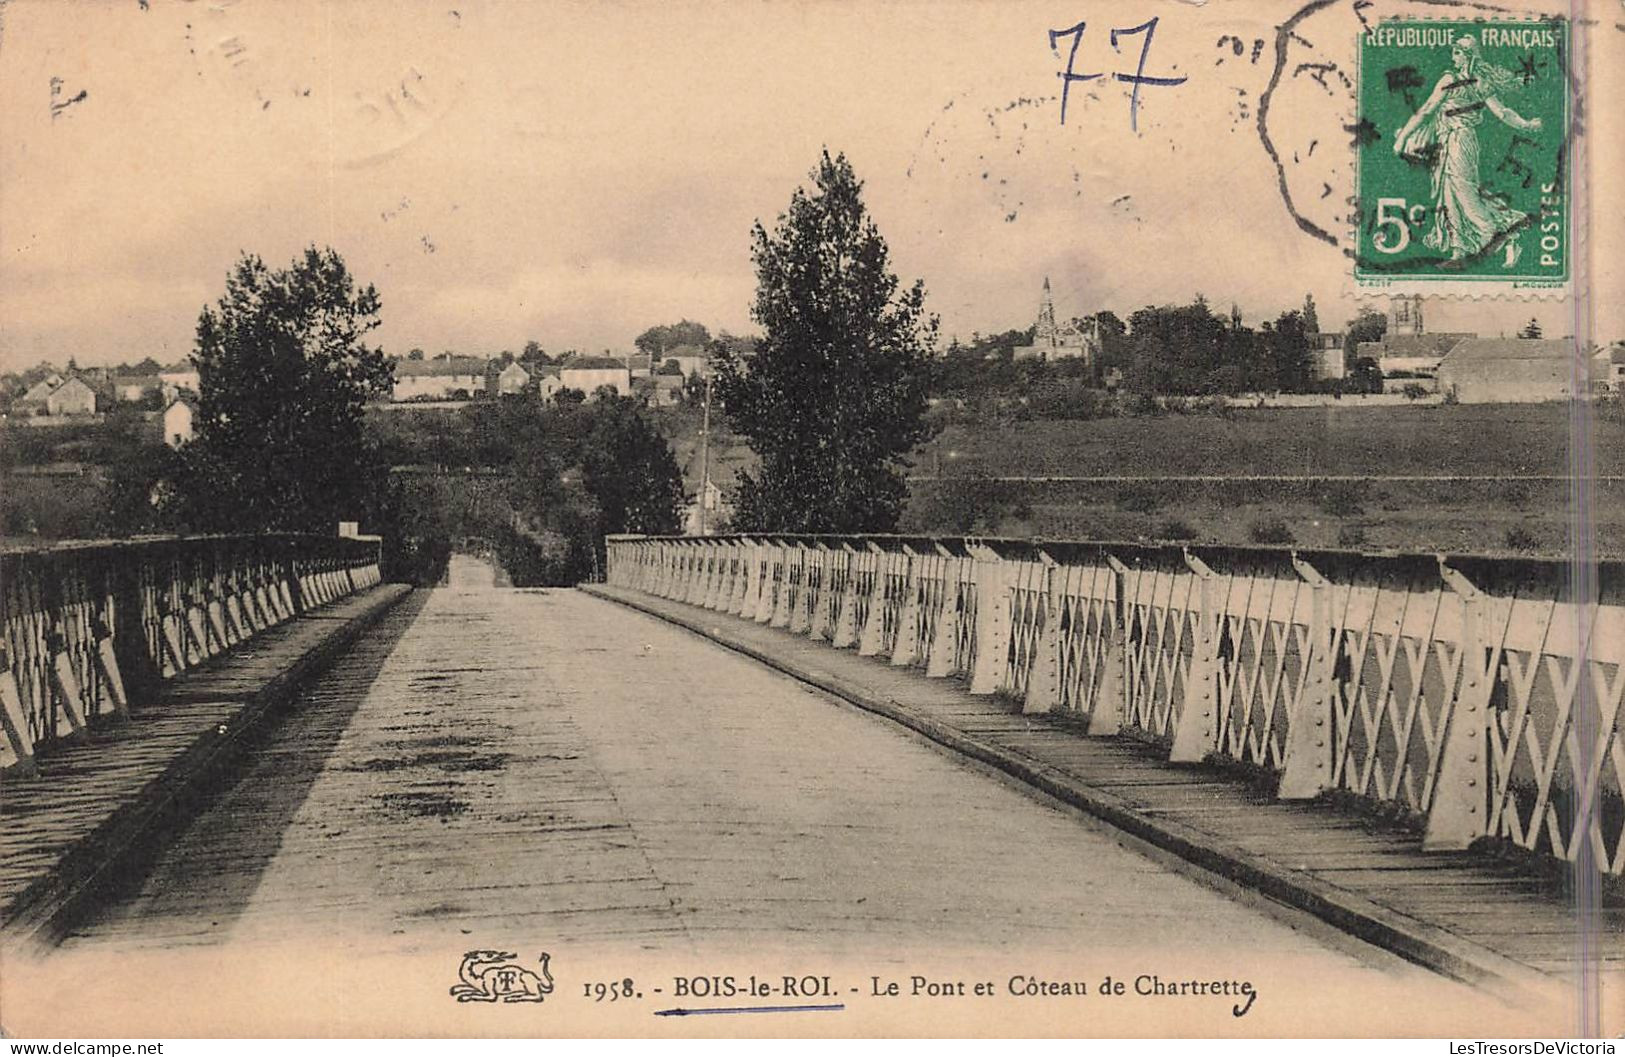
x,y
87,628
1477,697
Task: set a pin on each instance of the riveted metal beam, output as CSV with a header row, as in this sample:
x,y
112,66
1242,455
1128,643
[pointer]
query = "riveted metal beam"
x,y
1459,814
1307,768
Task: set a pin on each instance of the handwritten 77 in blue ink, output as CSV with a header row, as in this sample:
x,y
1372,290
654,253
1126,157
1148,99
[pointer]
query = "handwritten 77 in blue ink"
x,y
1137,78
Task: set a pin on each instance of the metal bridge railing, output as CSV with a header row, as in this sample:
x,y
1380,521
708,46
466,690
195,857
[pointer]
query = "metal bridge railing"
x,y
86,629
1479,697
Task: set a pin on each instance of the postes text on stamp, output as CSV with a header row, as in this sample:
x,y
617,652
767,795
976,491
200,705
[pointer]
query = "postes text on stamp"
x,y
1463,155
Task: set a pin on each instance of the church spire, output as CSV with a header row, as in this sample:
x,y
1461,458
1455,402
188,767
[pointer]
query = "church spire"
x,y
1045,332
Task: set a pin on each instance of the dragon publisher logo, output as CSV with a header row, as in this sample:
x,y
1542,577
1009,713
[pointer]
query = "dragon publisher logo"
x,y
495,976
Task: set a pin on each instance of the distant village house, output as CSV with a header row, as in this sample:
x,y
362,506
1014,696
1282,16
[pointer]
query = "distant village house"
x,y
1507,370
73,397
33,400
178,417
1326,357
180,376
1408,350
134,388
589,373
662,390
690,359
1608,370
512,380
442,378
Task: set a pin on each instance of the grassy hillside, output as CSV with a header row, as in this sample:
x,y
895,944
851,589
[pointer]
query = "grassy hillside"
x,y
1465,439
1494,517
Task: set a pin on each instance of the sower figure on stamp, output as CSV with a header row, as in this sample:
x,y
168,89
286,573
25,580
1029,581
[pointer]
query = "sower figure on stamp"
x,y
1465,218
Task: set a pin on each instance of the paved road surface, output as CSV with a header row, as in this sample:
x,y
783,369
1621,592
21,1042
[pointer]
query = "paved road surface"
x,y
538,770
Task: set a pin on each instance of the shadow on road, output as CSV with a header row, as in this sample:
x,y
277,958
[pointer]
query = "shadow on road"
x,y
206,865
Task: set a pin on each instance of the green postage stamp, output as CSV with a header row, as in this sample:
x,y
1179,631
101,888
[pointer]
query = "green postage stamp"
x,y
1463,174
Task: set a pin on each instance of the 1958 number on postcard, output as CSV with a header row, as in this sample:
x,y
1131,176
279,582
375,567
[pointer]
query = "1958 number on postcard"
x,y
1463,169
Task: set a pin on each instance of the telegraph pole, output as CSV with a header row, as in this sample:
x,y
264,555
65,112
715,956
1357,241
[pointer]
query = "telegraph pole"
x,y
705,451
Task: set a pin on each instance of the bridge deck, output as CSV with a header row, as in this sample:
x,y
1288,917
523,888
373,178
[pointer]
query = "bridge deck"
x,y
89,798
543,770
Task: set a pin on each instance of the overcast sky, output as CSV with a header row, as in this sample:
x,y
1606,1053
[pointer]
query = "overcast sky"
x,y
574,173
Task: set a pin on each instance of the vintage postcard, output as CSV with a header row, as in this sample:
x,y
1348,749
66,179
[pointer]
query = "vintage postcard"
x,y
891,518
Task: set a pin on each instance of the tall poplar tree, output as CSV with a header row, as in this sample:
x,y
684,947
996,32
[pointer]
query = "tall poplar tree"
x,y
834,398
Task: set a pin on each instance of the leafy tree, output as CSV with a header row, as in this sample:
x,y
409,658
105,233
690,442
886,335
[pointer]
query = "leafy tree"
x,y
140,493
1288,350
658,340
742,345
1229,380
1114,347
1530,329
986,364
1173,348
1367,326
1189,350
630,471
284,376
1366,376
1311,321
415,355
835,397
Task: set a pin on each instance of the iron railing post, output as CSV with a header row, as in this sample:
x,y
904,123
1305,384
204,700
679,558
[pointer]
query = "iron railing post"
x,y
1307,766
1457,816
1197,731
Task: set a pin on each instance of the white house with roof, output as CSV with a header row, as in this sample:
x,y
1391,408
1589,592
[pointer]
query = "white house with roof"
x,y
442,378
42,388
131,388
548,382
33,400
1608,369
512,379
72,397
178,417
691,360
668,389
1507,370
180,376
589,373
